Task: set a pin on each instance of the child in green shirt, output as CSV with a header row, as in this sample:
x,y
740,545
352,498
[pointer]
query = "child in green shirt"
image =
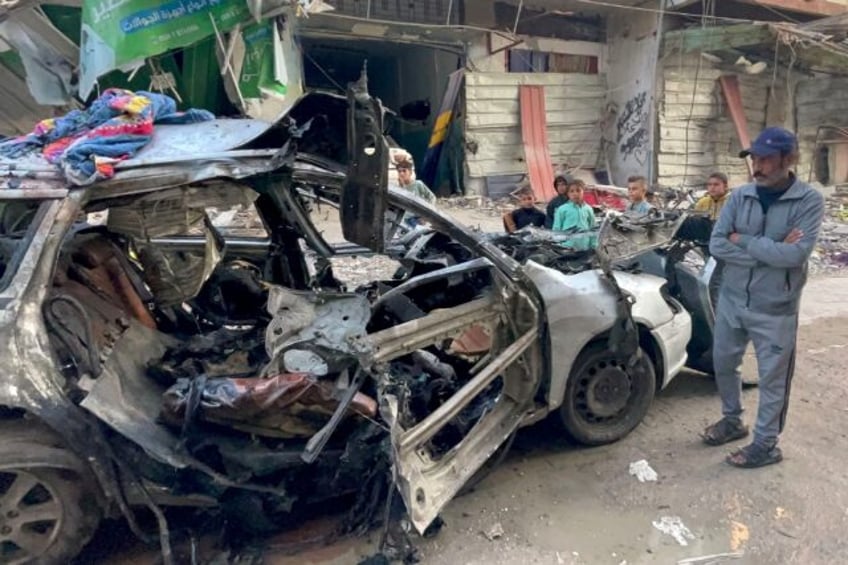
x,y
576,216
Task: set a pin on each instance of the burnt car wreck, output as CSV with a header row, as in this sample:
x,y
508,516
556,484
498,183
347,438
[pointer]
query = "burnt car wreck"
x,y
152,360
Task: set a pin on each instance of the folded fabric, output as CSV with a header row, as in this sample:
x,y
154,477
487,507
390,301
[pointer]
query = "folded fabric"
x,y
86,144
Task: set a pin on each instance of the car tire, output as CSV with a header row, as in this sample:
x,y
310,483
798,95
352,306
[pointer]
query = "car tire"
x,y
604,398
47,514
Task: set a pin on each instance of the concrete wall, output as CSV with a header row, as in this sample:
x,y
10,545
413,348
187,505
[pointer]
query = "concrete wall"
x,y
574,104
631,76
696,135
820,110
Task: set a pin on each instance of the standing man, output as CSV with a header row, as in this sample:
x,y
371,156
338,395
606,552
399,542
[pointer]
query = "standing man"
x,y
716,197
765,234
712,203
637,190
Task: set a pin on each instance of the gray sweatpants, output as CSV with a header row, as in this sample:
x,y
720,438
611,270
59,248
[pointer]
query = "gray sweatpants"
x,y
774,343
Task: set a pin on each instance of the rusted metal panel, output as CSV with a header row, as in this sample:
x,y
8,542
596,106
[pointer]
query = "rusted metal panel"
x,y
733,98
201,138
363,200
534,133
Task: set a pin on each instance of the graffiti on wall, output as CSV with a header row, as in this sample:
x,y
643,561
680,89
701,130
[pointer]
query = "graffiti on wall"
x,y
632,129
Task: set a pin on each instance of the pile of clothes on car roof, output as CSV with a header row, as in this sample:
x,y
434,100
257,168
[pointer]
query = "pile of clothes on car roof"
x,y
86,144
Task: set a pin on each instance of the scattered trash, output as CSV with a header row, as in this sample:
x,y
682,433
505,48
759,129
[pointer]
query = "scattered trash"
x,y
560,560
739,535
825,349
643,471
495,532
715,558
673,526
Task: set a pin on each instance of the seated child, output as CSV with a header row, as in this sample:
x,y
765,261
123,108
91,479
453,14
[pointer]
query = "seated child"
x,y
576,216
526,214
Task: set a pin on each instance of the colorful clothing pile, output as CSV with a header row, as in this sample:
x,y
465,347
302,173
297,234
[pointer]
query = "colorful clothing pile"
x,y
86,144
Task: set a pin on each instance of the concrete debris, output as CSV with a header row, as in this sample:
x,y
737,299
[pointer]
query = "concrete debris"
x,y
831,253
495,532
674,526
715,558
642,470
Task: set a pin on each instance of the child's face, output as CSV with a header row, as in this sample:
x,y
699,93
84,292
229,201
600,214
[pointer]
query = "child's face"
x,y
404,175
561,187
636,191
526,201
575,193
716,187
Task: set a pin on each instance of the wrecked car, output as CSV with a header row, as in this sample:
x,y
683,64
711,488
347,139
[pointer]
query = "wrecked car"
x,y
669,243
152,359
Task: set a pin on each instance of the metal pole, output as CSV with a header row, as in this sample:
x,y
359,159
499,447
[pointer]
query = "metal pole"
x,y
517,16
450,9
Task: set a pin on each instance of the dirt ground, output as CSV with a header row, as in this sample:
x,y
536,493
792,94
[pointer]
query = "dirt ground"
x,y
559,504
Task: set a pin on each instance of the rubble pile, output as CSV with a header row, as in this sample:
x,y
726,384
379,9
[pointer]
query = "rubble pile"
x,y
481,204
831,254
358,270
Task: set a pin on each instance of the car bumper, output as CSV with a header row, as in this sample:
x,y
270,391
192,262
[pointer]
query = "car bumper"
x,y
673,337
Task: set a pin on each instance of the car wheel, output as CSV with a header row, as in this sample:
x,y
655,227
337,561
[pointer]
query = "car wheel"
x,y
46,514
604,397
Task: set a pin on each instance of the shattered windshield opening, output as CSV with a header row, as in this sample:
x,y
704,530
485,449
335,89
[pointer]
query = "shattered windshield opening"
x,y
17,224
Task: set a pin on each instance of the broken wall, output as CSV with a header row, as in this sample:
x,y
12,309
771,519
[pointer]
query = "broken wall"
x,y
821,108
574,104
696,134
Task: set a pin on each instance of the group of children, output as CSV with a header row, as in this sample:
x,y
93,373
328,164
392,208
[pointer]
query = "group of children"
x,y
568,212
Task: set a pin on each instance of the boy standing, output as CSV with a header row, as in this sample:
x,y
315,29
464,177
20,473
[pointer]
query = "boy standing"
x,y
561,183
716,197
526,214
637,190
576,216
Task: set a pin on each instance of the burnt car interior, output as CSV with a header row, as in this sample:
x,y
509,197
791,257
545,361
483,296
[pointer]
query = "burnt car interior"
x,y
16,218
242,372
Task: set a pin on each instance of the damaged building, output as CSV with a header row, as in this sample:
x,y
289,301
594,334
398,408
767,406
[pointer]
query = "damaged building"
x,y
486,93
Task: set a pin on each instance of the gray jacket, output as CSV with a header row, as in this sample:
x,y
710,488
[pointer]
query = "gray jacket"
x,y
761,272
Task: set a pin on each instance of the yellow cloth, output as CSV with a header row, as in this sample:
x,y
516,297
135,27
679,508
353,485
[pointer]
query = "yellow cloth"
x,y
710,205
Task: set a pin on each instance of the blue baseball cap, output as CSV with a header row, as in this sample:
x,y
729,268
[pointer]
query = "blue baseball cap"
x,y
772,141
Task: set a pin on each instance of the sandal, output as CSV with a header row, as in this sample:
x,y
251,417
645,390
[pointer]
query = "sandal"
x,y
724,431
755,455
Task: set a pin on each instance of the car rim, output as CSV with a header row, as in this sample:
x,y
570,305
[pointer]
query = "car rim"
x,y
604,391
30,516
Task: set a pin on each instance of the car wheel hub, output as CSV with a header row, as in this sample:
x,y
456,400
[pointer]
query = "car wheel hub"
x,y
30,516
607,390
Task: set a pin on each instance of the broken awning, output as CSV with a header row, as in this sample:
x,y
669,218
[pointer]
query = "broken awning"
x,y
122,33
803,45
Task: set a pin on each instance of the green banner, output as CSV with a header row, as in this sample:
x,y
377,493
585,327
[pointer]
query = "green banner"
x,y
258,67
118,33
